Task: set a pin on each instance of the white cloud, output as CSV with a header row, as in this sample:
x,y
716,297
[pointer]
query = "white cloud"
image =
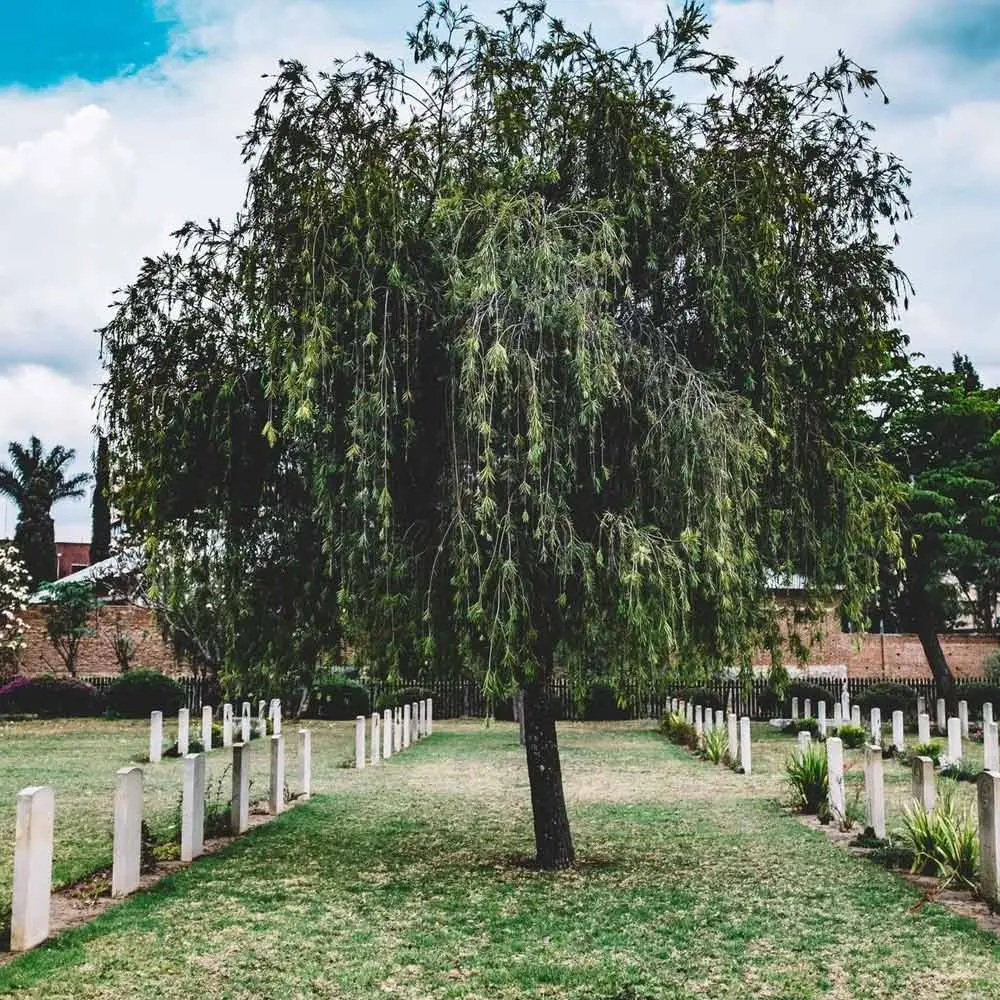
x,y
94,177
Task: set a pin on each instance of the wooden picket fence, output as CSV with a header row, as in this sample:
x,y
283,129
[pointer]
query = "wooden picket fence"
x,y
465,699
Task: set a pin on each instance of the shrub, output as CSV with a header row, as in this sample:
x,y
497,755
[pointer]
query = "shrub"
x,y
991,668
977,695
945,840
853,736
49,697
932,750
795,726
408,695
807,776
889,698
601,705
678,731
704,697
135,694
335,696
961,770
716,745
802,690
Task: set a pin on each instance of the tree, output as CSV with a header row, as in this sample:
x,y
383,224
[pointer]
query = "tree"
x,y
941,430
100,531
68,611
523,365
13,600
35,481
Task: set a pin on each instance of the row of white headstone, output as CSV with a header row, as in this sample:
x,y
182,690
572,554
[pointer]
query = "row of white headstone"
x,y
35,826
737,730
229,727
392,731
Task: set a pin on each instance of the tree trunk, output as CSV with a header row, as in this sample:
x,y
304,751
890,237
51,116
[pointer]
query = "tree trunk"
x,y
936,658
553,843
519,715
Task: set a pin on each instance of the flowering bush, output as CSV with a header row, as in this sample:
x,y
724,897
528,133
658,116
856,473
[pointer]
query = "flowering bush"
x,y
48,696
13,599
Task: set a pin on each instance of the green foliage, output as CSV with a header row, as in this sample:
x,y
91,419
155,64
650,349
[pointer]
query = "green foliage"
x,y
962,770
68,612
808,778
853,736
673,726
100,524
945,841
806,725
601,704
335,696
704,697
716,745
404,696
35,481
933,750
135,694
977,694
991,668
50,697
888,697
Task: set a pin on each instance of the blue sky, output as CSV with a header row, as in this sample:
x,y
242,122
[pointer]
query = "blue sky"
x,y
118,121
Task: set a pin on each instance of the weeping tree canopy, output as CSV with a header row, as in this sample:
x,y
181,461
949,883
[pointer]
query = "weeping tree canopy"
x,y
512,358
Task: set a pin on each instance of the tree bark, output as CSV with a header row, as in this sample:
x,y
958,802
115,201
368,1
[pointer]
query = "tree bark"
x,y
519,715
553,842
936,658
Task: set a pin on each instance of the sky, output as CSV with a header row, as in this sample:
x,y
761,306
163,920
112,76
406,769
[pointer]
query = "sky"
x,y
119,121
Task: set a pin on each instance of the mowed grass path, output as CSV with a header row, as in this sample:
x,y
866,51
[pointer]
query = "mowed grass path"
x,y
403,881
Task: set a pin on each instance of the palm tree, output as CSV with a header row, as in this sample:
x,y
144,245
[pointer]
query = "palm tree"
x,y
35,481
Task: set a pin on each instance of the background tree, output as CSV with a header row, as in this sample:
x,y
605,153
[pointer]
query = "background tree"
x,y
13,601
35,481
522,365
68,612
941,430
100,530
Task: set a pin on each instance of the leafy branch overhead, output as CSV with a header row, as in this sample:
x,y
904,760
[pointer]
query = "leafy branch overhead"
x,y
512,357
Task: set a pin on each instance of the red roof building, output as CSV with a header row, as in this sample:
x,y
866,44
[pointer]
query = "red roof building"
x,y
71,557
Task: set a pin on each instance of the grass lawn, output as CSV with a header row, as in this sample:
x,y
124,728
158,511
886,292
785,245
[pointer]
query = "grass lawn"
x,y
79,758
403,881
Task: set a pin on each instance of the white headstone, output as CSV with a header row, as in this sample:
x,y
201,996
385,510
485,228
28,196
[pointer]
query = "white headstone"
x,y
245,722
845,702
954,739
963,718
430,716
387,726
127,849
227,724
808,710
397,729
262,718
183,732
720,718
689,713
406,726
155,737
821,717
206,727
835,772
745,759
706,719
305,763
795,708
193,807
942,718
359,742
988,808
991,750
838,715
987,712
898,734
421,729
874,791
376,736
239,808
699,725
805,739
855,715
921,705
276,795
29,918
923,728
922,785
274,712
876,725
733,737
414,728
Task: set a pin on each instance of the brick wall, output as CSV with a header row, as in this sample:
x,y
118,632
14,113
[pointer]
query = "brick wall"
x,y
96,657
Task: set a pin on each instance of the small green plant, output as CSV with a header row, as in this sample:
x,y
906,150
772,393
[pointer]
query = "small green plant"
x,y
932,750
716,745
944,840
807,725
853,736
218,815
962,770
807,776
854,810
679,731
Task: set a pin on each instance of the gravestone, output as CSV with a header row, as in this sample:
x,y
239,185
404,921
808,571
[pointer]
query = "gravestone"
x,y
795,708
874,791
305,763
898,733
206,727
127,843
720,718
32,888
246,720
876,725
275,714
376,737
387,726
733,737
963,718
183,732
808,710
838,715
359,742
991,750
921,704
845,702
821,717
193,807
835,771
942,718
239,807
954,739
923,728
406,726
988,809
699,726
745,760
155,737
276,791
262,718
987,713
804,739
856,715
227,724
922,784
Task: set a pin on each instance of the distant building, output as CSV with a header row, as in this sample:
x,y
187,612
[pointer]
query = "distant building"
x,y
71,557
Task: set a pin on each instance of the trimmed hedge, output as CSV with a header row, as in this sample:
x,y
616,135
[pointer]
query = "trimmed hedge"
x,y
50,697
135,694
339,698
889,698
